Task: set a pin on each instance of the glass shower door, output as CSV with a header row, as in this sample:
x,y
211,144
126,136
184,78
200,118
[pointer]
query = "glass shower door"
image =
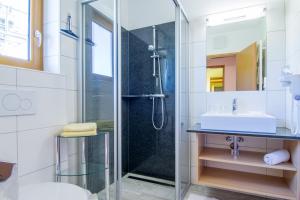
x,y
184,137
98,94
141,100
147,63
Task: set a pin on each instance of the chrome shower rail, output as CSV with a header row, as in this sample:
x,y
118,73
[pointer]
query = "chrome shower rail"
x,y
145,96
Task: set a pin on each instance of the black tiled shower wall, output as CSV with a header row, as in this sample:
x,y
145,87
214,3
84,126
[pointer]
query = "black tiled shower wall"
x,y
145,150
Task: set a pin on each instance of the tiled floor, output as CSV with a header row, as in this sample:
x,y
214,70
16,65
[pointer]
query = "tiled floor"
x,y
212,194
139,190
135,189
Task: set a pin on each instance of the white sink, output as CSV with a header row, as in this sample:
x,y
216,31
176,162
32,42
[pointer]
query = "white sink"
x,y
247,122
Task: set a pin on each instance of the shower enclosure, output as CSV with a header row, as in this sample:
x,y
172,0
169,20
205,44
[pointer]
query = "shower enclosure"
x,y
148,101
134,84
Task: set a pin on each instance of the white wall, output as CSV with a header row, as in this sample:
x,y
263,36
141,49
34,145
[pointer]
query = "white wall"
x,y
68,49
198,8
293,45
29,140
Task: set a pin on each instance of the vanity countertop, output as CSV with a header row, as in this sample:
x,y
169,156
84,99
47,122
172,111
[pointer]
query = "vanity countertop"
x,y
281,133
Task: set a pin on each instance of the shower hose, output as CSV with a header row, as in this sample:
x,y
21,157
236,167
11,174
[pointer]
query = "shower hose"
x,y
158,127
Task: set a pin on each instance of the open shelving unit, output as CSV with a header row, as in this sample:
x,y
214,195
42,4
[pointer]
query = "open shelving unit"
x,y
247,158
286,186
82,167
268,186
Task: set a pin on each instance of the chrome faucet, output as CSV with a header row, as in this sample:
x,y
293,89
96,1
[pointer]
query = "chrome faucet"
x,y
234,106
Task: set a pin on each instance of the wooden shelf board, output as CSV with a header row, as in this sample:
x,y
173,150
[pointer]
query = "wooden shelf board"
x,y
255,184
254,159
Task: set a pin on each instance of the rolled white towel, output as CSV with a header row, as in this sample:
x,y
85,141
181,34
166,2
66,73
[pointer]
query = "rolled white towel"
x,y
277,157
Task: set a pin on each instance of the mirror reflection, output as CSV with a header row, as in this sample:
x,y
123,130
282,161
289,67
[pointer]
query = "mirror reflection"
x,y
236,50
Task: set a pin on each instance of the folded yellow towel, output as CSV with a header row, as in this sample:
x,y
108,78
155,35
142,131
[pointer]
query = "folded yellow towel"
x,y
80,127
79,134
105,125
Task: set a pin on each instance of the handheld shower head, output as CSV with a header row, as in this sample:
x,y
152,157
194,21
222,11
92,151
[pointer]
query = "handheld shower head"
x,y
152,47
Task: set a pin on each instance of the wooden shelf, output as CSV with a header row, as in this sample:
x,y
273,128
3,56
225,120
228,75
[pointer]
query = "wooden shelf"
x,y
255,184
254,159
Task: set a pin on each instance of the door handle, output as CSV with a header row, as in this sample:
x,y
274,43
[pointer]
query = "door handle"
x,y
39,37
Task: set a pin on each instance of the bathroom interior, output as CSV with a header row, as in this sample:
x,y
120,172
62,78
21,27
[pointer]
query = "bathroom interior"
x,y
149,100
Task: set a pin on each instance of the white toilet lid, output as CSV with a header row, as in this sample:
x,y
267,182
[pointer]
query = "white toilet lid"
x,y
53,191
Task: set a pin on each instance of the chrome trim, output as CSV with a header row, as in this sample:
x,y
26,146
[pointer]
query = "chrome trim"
x,y
182,54
58,159
83,160
107,167
145,96
260,65
80,65
234,106
81,81
188,96
116,118
118,93
83,68
179,4
154,55
150,178
177,105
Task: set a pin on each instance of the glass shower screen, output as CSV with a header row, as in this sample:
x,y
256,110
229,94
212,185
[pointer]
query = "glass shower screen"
x,y
134,85
148,68
98,82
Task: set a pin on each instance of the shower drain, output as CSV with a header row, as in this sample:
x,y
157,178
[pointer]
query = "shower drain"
x,y
150,180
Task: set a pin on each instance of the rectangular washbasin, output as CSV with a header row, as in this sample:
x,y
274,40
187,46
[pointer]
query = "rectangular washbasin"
x,y
247,122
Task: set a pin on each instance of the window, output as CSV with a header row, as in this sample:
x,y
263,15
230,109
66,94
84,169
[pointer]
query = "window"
x,y
102,50
20,33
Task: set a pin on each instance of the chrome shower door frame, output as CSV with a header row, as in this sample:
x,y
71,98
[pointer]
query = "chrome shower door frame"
x,y
180,192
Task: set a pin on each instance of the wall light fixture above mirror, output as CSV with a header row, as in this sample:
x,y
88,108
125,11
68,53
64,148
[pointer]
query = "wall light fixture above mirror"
x,y
236,50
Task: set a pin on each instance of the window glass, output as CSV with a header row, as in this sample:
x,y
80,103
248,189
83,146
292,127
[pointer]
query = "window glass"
x,y
14,29
102,50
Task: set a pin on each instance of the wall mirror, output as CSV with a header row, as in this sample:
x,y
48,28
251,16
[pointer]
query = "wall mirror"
x,y
236,50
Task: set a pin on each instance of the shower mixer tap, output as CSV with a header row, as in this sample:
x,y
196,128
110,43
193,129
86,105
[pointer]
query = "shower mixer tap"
x,y
158,81
153,47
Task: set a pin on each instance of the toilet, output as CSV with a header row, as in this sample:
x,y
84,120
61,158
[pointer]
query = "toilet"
x,y
53,191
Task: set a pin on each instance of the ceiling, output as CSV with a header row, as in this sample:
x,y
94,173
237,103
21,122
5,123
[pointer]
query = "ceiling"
x,y
138,13
104,6
197,8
